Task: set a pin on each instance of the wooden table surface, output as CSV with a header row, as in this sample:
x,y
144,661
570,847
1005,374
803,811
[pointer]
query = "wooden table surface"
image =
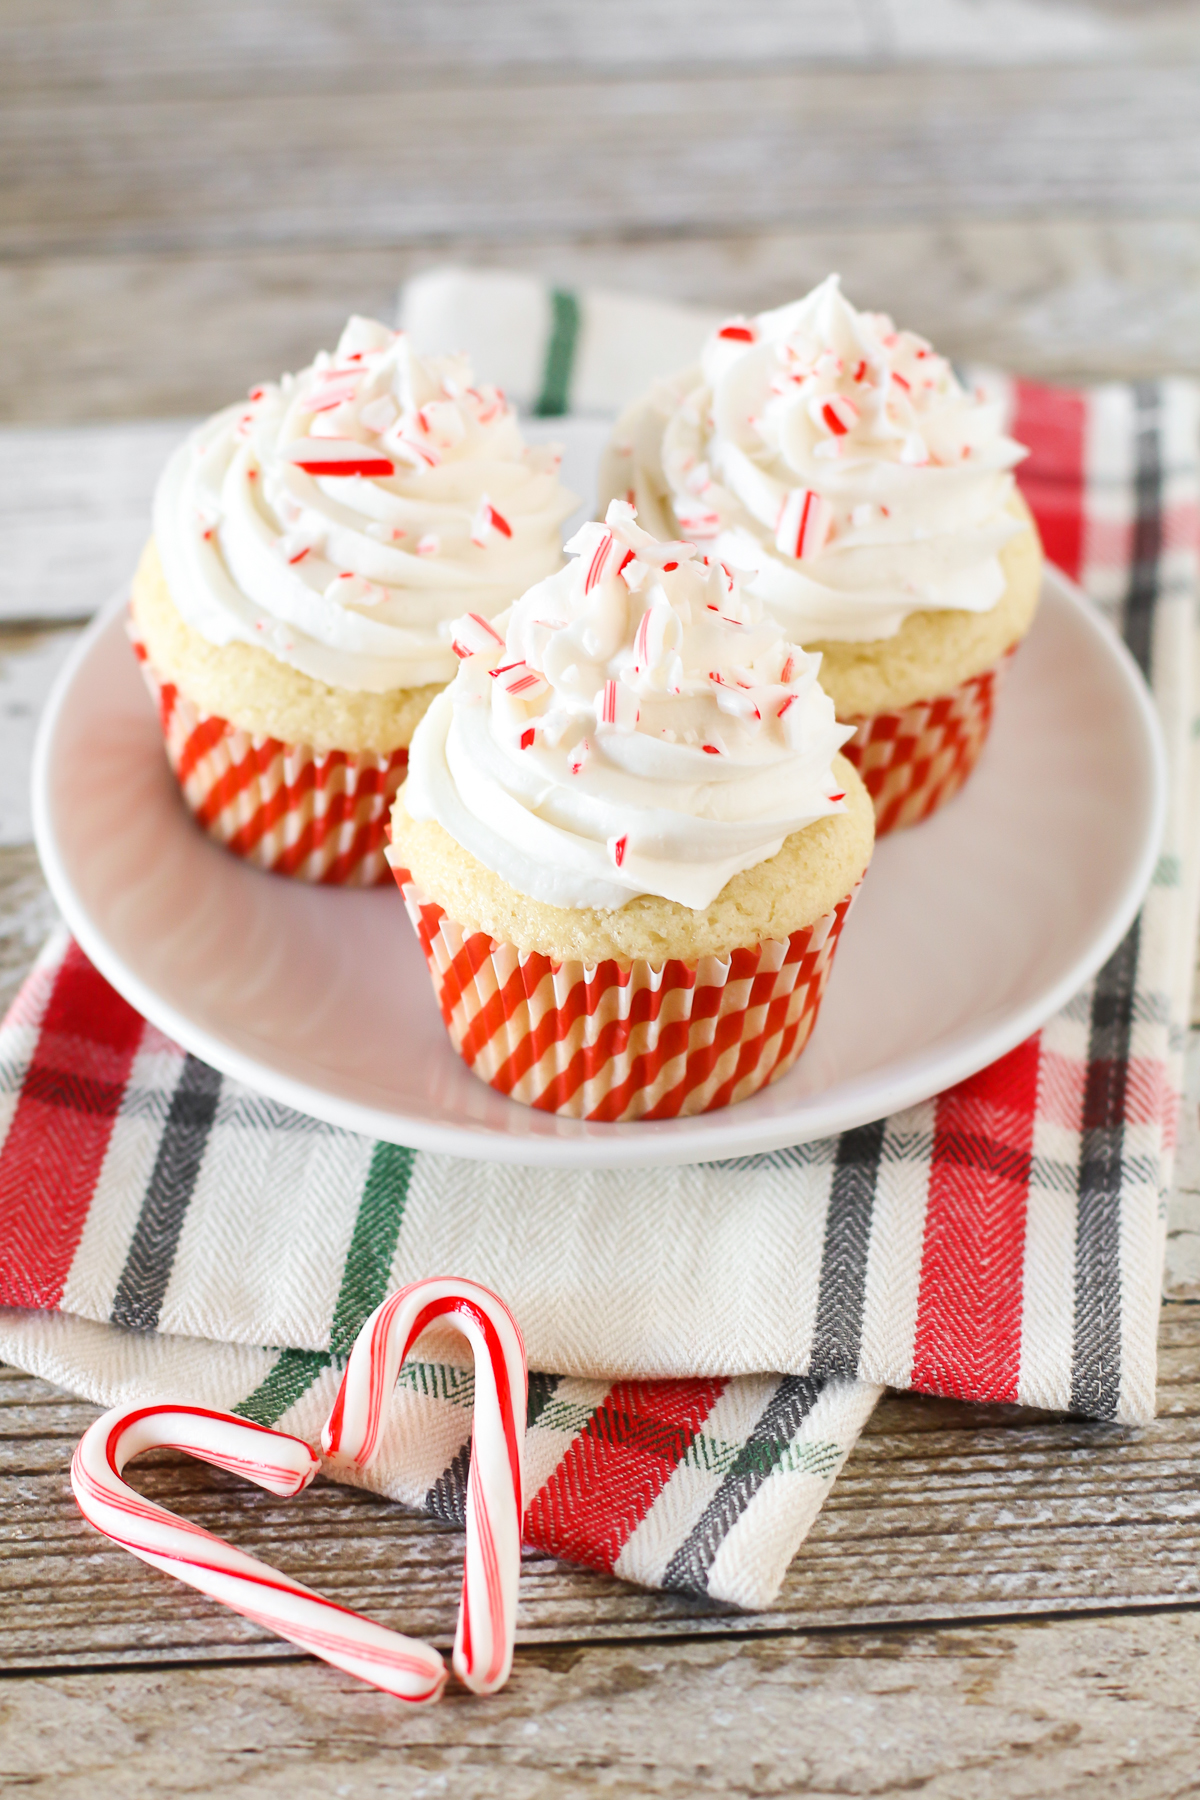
x,y
993,1602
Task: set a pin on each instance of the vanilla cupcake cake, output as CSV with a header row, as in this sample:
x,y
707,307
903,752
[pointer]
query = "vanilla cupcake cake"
x,y
627,840
292,611
869,497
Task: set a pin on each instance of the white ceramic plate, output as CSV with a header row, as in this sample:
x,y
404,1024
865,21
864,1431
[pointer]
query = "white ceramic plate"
x,y
969,932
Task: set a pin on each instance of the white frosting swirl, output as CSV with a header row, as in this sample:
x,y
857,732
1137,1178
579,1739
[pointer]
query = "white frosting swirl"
x,y
641,728
354,577
837,459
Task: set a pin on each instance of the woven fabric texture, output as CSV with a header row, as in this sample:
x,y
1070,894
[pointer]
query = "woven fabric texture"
x,y
709,1340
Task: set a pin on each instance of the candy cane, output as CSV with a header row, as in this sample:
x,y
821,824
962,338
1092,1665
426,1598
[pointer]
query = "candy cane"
x,y
283,1465
483,1643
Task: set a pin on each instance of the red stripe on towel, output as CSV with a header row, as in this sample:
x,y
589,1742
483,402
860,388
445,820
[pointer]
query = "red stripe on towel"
x,y
56,1144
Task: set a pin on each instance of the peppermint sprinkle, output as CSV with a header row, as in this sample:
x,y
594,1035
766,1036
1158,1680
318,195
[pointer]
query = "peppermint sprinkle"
x,y
599,559
333,393
791,719
839,414
487,520
354,589
737,331
473,635
616,704
577,759
527,737
805,521
703,523
417,452
338,456
740,704
429,545
617,846
519,680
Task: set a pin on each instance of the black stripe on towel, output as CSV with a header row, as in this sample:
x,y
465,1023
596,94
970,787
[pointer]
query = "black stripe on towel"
x,y
842,1292
447,1498
1096,1357
761,1454
148,1264
1142,592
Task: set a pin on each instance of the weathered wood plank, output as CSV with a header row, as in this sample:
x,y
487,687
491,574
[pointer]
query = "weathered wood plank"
x,y
74,514
1103,1708
943,1512
27,914
29,663
178,334
271,45
574,157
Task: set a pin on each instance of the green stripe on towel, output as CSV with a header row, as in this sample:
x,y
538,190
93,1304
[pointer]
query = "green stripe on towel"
x,y
364,1284
555,397
288,1382
373,1245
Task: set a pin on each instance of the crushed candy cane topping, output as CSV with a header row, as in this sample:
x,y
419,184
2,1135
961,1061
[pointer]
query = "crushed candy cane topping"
x,y
635,724
352,512
838,461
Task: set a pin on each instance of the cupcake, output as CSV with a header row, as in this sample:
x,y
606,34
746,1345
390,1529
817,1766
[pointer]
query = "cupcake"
x,y
292,612
627,840
870,497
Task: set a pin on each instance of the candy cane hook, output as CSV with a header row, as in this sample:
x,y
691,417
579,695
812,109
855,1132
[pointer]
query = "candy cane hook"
x,y
483,1643
283,1465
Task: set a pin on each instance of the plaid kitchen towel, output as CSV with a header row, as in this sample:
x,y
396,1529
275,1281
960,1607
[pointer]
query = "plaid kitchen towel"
x,y
716,1334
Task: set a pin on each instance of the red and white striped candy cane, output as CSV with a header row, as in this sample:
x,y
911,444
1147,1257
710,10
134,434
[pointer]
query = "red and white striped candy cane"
x,y
283,1465
483,1643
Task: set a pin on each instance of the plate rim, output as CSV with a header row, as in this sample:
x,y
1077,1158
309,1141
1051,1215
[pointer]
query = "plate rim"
x,y
584,1145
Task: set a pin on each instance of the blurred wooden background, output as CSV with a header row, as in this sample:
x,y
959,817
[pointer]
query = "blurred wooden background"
x,y
207,189
194,196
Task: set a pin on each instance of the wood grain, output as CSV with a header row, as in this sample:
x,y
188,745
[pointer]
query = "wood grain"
x,y
27,672
1066,298
27,915
1102,1709
75,511
255,46
943,1512
579,157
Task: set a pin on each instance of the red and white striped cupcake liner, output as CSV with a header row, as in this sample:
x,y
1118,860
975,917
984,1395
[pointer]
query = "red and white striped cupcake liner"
x,y
611,1044
913,761
319,815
